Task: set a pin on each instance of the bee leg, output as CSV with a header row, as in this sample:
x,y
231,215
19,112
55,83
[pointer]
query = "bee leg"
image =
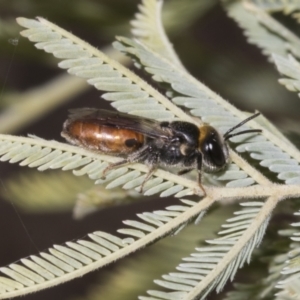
x,y
199,167
152,161
148,176
200,184
112,166
182,172
135,157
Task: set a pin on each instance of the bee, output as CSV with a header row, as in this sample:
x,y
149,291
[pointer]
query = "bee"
x,y
136,139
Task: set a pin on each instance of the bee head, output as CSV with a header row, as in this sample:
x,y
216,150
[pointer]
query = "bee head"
x,y
213,145
214,149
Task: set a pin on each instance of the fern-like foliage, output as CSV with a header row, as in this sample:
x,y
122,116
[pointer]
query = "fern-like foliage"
x,y
265,287
148,27
214,110
201,264
287,7
128,92
289,67
289,283
63,263
133,275
43,155
261,29
207,268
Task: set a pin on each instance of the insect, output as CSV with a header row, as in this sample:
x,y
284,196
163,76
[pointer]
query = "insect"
x,y
137,139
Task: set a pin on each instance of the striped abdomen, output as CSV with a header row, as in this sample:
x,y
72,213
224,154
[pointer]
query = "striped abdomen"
x,y
106,139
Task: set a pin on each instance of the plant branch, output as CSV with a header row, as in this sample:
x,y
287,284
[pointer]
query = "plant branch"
x,y
237,248
255,191
116,65
274,26
251,171
150,238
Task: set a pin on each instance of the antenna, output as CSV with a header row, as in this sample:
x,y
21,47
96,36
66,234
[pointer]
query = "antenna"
x,y
228,136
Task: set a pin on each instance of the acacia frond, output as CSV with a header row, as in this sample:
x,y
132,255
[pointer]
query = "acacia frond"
x,y
292,291
203,102
76,258
289,67
263,121
147,27
262,29
210,267
27,107
43,155
289,284
267,147
285,6
135,274
148,23
34,152
128,92
264,287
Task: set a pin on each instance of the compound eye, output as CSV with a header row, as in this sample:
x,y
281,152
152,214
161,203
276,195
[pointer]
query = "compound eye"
x,y
214,152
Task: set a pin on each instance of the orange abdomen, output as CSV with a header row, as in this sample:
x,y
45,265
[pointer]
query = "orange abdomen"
x,y
102,138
